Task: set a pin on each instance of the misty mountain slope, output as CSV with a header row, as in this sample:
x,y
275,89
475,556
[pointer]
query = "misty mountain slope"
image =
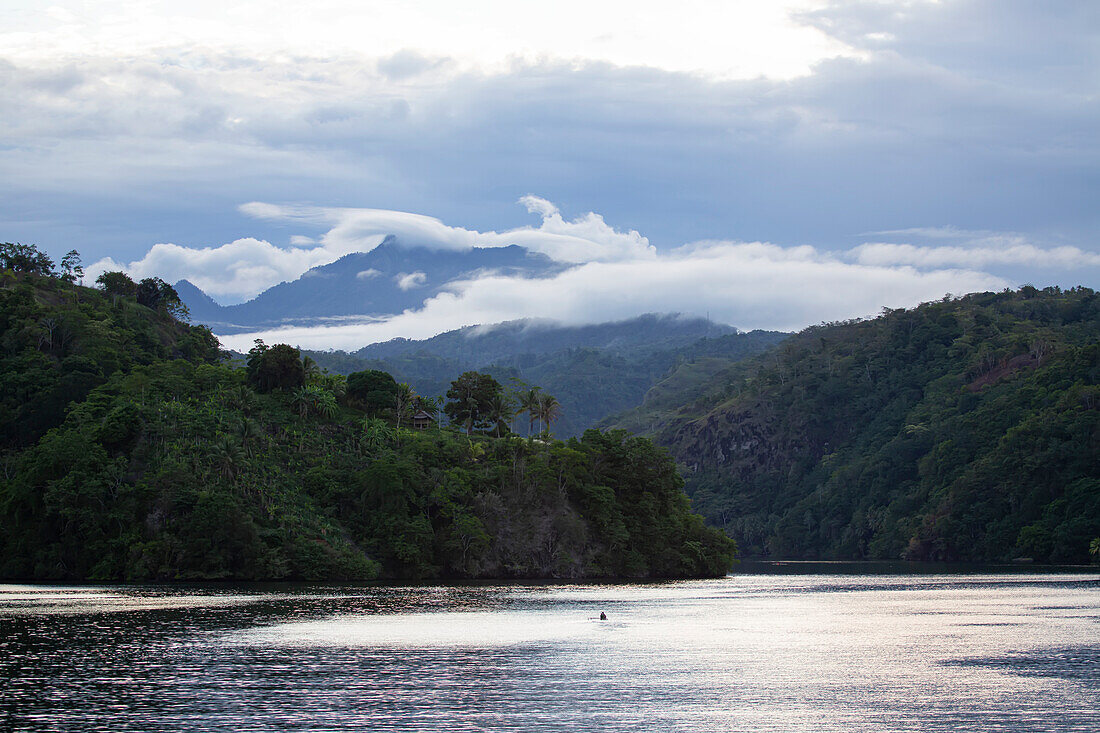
x,y
524,339
964,429
593,371
387,280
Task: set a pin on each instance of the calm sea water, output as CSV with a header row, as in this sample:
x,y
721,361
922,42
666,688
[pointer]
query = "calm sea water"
x,y
841,651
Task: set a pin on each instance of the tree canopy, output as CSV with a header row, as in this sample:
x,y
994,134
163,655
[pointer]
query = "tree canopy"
x,y
372,390
24,258
470,402
154,293
117,284
275,367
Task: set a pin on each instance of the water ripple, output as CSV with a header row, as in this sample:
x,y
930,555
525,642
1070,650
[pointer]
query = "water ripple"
x,y
747,653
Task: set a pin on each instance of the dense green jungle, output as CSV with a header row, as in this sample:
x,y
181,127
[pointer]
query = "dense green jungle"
x,y
962,430
130,448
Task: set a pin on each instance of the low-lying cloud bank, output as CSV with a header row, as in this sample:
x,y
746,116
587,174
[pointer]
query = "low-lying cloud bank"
x,y
749,285
1009,253
613,275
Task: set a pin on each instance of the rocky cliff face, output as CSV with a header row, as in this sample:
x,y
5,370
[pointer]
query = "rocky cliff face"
x,y
742,440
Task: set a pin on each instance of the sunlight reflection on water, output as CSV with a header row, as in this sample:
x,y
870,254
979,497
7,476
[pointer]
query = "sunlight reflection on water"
x,y
746,653
468,629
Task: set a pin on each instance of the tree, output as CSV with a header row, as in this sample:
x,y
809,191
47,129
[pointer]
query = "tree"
x,y
71,270
117,284
499,412
337,384
548,410
24,258
274,367
249,433
470,396
325,404
375,433
302,398
403,401
154,293
227,456
312,371
372,390
430,405
529,403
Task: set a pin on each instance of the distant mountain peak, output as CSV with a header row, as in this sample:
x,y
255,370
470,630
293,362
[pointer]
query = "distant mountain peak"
x,y
387,280
201,305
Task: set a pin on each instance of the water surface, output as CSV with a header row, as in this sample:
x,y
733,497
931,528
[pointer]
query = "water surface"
x,y
841,651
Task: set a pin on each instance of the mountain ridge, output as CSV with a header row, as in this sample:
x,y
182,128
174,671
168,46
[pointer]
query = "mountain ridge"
x,y
593,370
387,280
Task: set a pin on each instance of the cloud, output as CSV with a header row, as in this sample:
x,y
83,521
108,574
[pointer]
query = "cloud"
x,y
743,39
240,268
977,112
367,274
614,274
244,268
1006,41
881,253
953,246
410,280
587,238
980,113
750,285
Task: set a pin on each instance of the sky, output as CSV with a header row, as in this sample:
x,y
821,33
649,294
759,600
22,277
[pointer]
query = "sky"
x,y
772,164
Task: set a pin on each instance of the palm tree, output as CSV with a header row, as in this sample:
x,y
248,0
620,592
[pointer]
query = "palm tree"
x,y
243,398
548,410
529,403
430,405
248,433
338,383
309,366
227,456
499,411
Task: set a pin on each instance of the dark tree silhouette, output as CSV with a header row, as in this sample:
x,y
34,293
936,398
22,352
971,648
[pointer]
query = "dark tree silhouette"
x,y
24,258
275,367
154,293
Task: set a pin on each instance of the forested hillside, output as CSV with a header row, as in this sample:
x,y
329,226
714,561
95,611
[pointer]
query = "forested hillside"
x,y
967,429
593,371
131,450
